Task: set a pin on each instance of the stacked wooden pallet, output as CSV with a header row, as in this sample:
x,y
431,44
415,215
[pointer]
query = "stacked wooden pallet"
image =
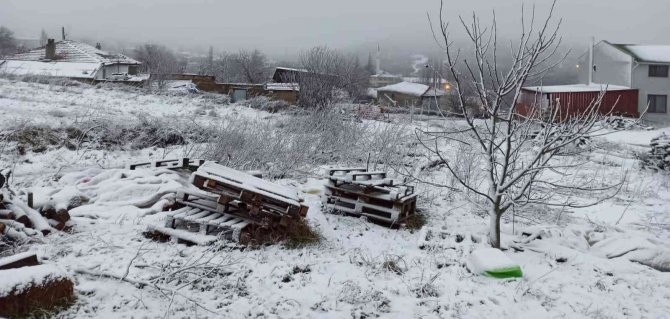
x,y
181,163
232,205
359,192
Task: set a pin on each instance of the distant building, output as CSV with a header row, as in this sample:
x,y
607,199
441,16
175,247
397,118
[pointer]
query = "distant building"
x,y
576,99
407,94
641,67
72,59
385,78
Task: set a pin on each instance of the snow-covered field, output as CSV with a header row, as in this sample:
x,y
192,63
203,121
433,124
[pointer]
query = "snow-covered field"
x,y
577,263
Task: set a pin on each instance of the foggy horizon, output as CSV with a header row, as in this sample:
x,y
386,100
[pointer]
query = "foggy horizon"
x,y
280,29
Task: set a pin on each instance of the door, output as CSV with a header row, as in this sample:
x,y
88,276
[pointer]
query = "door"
x,y
239,95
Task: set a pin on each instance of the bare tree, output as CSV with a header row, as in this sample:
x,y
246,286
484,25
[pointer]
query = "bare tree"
x,y
522,157
242,66
7,41
158,61
327,74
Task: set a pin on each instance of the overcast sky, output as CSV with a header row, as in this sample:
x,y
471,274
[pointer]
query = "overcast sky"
x,y
288,26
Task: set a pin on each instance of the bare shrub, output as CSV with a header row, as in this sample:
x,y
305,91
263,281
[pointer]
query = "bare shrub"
x,y
265,103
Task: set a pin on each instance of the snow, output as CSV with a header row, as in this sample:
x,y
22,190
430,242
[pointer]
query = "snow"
x,y
650,53
282,87
75,52
55,69
489,259
415,89
246,181
14,258
18,279
358,269
594,87
636,138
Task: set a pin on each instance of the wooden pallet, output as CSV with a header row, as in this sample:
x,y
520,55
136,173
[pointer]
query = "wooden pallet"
x,y
181,163
261,196
369,194
199,219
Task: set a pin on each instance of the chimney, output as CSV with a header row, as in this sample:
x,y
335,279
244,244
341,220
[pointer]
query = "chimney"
x,y
98,46
50,50
63,32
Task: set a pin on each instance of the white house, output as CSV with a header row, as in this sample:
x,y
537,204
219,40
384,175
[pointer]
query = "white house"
x,y
71,59
642,67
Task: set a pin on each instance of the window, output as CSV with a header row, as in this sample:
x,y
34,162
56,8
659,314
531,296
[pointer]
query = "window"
x,y
657,103
658,71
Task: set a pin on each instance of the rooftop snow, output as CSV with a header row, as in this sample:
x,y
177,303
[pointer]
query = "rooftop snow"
x,y
72,51
408,88
57,69
648,53
594,87
282,86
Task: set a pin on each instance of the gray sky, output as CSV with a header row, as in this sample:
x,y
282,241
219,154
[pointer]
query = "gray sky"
x,y
287,26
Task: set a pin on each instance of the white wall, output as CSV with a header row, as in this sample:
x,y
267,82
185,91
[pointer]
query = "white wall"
x,y
110,69
612,66
650,85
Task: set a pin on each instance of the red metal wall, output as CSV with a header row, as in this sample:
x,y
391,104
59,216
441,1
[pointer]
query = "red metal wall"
x,y
622,102
617,102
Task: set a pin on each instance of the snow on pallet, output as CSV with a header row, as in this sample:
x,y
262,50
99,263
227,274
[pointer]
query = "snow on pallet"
x,y
201,220
357,191
261,196
181,163
232,205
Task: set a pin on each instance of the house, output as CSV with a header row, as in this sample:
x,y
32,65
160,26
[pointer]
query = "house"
x,y
575,99
407,94
641,67
72,59
287,75
384,78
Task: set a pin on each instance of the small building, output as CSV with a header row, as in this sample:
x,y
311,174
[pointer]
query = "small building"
x,y
641,67
288,75
407,94
575,99
71,59
385,78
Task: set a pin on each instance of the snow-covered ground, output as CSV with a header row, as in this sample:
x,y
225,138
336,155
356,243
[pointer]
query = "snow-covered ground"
x,y
577,263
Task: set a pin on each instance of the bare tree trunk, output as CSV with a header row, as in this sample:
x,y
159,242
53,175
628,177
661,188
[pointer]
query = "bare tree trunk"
x,y
494,228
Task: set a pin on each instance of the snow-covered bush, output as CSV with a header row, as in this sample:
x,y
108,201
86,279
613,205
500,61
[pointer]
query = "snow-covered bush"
x,y
619,123
301,143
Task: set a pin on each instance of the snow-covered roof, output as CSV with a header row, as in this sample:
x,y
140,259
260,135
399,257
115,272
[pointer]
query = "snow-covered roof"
x,y
73,51
415,79
56,69
385,74
282,87
593,87
408,88
290,69
647,53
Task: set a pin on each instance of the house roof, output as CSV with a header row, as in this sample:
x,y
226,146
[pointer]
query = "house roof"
x,y
414,89
76,52
282,87
593,87
46,68
645,53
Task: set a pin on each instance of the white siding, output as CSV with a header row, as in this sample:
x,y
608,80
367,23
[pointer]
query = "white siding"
x,y
650,85
612,66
